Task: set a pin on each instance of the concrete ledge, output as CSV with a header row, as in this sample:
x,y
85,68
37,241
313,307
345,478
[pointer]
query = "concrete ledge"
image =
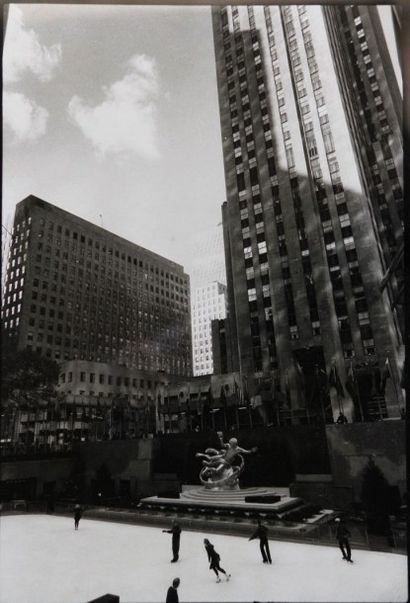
x,y
313,477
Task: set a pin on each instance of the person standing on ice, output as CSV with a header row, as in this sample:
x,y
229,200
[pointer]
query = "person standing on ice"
x,y
172,594
77,515
176,537
262,533
214,560
343,535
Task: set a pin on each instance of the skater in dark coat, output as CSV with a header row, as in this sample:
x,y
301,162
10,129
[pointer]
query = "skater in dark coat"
x,y
343,535
172,594
214,560
262,533
176,537
77,516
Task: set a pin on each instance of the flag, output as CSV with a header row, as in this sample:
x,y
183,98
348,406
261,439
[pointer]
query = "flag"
x,y
222,397
321,379
386,374
287,388
351,383
237,392
157,420
404,375
245,391
375,390
261,408
208,403
300,376
334,381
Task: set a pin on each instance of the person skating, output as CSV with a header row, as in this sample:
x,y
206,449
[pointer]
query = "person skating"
x,y
343,535
172,594
262,533
176,537
214,560
77,516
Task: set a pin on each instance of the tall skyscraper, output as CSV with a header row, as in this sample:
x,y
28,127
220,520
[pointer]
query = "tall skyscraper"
x,y
206,254
208,304
310,115
75,291
6,237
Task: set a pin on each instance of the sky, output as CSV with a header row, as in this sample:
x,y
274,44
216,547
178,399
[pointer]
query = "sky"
x,y
111,113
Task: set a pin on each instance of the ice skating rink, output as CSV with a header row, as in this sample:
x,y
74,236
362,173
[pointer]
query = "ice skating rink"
x,y
44,560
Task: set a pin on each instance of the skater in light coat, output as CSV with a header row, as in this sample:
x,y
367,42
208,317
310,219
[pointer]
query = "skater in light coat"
x,y
214,560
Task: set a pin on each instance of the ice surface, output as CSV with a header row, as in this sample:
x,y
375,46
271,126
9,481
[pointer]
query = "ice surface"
x,y
44,560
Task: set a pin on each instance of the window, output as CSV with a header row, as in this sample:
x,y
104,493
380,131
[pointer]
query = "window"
x,y
262,247
290,157
240,178
254,175
311,144
328,140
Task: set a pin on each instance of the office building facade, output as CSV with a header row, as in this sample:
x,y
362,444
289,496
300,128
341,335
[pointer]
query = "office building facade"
x,y
208,304
75,291
310,116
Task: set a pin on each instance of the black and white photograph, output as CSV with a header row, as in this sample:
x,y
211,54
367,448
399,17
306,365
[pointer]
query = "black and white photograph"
x,y
204,370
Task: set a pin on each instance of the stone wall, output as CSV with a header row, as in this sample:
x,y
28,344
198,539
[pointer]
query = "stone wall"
x,y
350,447
40,472
126,460
285,455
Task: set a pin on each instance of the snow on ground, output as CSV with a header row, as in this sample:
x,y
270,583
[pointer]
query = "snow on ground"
x,y
44,560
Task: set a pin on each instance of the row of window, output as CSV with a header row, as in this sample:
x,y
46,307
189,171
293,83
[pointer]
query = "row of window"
x,y
105,248
103,379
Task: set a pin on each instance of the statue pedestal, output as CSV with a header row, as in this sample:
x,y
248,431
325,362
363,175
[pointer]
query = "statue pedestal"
x,y
210,486
263,500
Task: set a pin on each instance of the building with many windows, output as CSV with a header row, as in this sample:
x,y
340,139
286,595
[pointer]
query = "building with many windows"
x,y
75,291
310,112
208,303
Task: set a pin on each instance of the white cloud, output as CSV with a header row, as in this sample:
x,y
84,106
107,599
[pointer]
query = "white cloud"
x,y
24,52
125,121
25,118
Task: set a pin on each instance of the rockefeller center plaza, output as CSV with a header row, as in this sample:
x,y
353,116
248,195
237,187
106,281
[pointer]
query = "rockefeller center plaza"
x,y
204,365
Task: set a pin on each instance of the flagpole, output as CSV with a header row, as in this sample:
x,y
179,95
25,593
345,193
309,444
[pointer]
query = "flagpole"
x,y
360,403
392,377
339,399
357,390
248,404
166,388
320,389
313,391
322,406
237,400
